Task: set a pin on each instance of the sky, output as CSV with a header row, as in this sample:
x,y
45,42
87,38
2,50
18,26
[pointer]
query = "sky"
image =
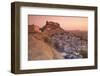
x,y
66,22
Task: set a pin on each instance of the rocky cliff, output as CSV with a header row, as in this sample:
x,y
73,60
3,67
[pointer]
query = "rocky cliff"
x,y
51,28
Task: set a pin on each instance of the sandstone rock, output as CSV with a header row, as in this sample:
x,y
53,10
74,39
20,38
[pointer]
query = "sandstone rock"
x,y
39,49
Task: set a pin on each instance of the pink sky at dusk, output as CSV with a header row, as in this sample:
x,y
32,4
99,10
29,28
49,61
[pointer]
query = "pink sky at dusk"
x,y
66,22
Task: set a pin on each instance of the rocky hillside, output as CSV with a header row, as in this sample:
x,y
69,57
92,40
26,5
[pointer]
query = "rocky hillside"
x,y
40,47
53,42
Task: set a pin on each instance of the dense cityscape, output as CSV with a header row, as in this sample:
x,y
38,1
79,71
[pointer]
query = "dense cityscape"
x,y
67,42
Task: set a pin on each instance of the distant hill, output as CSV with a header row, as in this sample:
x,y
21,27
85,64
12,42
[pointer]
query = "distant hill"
x,y
33,28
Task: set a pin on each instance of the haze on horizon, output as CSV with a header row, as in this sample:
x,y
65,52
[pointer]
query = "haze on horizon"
x,y
66,22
